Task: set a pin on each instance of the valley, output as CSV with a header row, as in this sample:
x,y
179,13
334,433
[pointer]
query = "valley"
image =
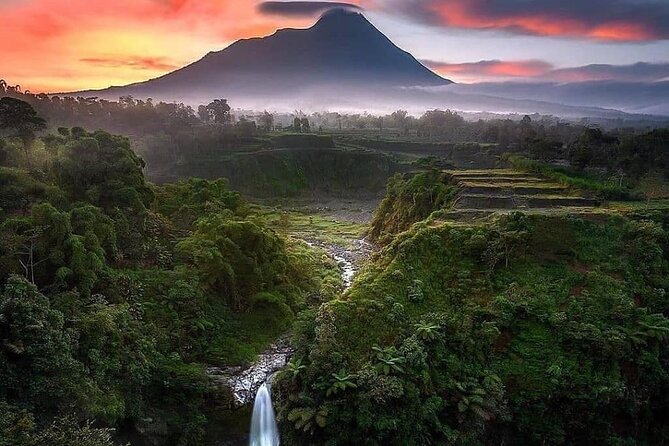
x,y
353,274
264,222
533,215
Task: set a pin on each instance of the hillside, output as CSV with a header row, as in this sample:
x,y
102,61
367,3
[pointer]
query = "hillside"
x,y
527,328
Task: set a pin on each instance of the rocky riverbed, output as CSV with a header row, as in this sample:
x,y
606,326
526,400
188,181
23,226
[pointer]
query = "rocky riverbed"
x,y
350,260
243,382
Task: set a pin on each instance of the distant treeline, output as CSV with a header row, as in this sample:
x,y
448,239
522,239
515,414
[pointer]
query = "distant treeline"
x,y
168,133
137,118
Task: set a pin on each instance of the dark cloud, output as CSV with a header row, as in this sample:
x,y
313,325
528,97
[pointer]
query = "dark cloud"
x,y
301,9
611,20
638,72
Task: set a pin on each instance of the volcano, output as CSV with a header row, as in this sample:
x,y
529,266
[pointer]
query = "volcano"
x,y
342,51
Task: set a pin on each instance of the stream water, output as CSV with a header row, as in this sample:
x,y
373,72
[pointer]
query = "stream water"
x,y
348,259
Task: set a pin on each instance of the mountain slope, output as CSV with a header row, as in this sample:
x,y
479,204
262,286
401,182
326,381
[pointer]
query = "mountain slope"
x,y
342,49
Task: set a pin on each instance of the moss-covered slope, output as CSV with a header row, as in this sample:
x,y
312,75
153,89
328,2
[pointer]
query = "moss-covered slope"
x,y
523,330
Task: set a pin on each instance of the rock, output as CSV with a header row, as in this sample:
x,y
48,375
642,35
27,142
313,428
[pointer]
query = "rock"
x,y
243,383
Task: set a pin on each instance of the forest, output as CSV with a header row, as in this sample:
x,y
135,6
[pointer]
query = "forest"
x,y
116,292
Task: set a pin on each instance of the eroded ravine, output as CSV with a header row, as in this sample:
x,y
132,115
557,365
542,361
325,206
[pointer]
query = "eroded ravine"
x,y
243,382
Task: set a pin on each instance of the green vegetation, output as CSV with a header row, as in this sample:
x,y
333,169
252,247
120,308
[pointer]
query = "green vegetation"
x,y
116,294
410,200
305,172
305,225
539,328
297,140
618,165
524,330
603,188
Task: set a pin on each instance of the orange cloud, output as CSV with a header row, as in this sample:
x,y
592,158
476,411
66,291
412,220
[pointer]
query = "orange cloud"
x,y
138,63
61,45
482,70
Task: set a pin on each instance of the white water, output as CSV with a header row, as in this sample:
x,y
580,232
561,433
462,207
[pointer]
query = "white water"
x,y
264,431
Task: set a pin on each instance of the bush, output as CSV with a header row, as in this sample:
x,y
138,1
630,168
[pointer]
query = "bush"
x,y
410,199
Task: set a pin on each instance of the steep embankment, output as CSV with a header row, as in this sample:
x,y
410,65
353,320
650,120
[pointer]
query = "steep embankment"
x,y
454,155
305,172
520,329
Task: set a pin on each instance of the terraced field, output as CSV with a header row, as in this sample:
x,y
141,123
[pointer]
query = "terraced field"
x,y
483,192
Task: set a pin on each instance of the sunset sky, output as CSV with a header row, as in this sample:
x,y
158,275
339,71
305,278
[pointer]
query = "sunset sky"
x,y
65,45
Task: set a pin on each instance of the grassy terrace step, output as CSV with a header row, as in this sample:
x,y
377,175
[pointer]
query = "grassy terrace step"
x,y
487,172
487,201
471,215
493,173
512,189
499,180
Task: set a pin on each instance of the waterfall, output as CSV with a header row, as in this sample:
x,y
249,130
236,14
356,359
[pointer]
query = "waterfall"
x,y
264,431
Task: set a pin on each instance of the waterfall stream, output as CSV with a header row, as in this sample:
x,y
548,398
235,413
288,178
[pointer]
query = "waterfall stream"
x,y
264,431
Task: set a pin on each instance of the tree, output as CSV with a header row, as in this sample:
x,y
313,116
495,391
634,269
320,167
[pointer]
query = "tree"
x,y
27,257
306,127
21,119
400,119
4,154
245,127
103,170
592,148
52,143
203,113
239,258
441,123
297,125
654,186
266,121
219,110
526,132
379,123
36,357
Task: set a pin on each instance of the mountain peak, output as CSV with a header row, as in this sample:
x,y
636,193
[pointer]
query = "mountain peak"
x,y
339,13
342,18
341,50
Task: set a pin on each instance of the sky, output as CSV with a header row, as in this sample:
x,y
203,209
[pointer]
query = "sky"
x,y
69,45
